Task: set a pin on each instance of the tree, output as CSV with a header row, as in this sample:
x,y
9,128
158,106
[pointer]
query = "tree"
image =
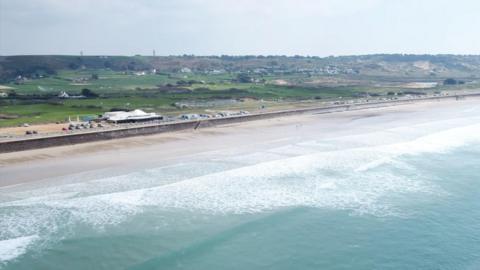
x,y
244,78
182,83
73,66
12,94
94,76
89,93
450,81
107,64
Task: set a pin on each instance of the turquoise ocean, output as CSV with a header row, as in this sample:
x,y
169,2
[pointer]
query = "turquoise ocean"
x,y
393,196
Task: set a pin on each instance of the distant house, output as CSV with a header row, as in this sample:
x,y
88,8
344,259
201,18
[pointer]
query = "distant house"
x,y
3,95
186,70
20,79
190,116
216,71
63,94
260,71
130,117
81,80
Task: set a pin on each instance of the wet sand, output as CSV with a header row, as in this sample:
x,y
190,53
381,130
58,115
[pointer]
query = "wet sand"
x,y
133,153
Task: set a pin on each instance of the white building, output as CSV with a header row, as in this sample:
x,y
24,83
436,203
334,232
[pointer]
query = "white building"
x,y
190,116
63,94
132,116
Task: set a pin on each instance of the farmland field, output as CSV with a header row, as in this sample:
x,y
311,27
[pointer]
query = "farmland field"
x,y
242,83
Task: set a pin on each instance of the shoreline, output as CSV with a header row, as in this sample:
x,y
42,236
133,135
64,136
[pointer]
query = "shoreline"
x,y
134,153
48,141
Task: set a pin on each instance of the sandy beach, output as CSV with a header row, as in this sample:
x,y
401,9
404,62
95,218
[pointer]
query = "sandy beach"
x,y
218,189
126,154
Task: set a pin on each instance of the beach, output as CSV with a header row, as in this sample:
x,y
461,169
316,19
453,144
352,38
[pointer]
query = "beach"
x,y
239,135
310,190
144,150
170,147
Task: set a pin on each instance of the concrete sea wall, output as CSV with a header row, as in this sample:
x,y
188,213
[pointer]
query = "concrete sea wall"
x,y
100,135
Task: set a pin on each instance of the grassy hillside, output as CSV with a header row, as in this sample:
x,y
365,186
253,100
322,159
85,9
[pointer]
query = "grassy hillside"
x,y
371,65
176,84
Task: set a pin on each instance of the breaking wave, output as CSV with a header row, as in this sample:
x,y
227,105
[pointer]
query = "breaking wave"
x,y
12,248
358,180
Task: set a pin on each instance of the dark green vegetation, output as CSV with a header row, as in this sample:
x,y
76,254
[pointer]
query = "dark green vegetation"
x,y
163,84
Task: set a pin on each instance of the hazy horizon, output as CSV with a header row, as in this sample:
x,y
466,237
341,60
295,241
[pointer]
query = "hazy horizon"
x,y
236,55
214,27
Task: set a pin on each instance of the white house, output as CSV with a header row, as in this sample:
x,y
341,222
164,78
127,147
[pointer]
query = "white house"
x,y
132,116
63,94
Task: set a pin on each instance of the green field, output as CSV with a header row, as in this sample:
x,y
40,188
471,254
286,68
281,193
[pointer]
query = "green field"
x,y
35,100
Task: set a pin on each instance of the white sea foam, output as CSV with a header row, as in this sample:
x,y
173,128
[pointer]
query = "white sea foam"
x,y
353,179
300,180
283,183
297,181
440,141
12,248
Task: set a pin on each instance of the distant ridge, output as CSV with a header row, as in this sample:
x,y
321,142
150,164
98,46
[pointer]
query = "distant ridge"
x,y
368,65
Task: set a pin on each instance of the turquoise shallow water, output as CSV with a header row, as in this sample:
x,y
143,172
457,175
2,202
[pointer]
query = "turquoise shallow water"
x,y
345,203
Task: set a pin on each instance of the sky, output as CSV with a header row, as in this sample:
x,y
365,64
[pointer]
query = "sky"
x,y
239,27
